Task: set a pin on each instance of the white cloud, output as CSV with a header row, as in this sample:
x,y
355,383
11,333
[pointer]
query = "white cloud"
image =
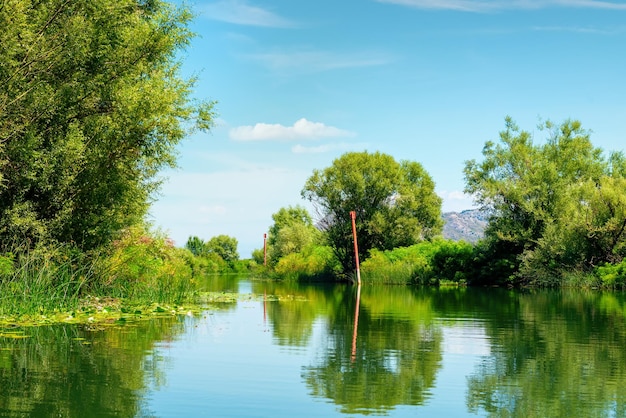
x,y
319,61
302,129
497,5
241,13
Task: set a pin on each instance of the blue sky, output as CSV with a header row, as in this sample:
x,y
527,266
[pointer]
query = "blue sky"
x,y
298,83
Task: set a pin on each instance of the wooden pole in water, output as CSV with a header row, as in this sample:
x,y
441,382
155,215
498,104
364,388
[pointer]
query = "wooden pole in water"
x,y
265,249
356,248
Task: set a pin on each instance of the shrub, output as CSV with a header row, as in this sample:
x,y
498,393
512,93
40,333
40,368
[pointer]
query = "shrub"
x,y
428,262
314,263
612,275
145,265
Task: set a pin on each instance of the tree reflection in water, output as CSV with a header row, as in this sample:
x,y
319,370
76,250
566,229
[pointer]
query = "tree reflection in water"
x,y
563,357
394,360
77,371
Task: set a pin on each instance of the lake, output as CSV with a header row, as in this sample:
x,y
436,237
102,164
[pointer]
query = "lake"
x,y
323,351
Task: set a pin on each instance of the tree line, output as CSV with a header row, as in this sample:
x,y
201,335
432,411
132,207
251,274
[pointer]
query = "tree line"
x,y
556,210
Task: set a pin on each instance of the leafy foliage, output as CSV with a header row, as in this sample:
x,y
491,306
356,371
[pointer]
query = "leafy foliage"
x,y
423,263
292,232
612,275
217,255
395,203
311,264
144,265
554,207
91,107
223,246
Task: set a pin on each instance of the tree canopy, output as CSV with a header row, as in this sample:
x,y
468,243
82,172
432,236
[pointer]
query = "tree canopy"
x,y
222,245
395,203
291,232
554,207
92,106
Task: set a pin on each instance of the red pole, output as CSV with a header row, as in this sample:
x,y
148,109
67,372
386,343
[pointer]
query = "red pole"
x,y
265,249
356,247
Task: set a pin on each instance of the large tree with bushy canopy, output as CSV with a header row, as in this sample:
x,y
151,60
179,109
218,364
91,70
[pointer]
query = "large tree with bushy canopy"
x,y
555,206
92,106
395,203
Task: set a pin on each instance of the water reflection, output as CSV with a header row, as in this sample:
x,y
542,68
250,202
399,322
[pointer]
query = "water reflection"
x,y
393,362
355,331
563,357
74,371
549,353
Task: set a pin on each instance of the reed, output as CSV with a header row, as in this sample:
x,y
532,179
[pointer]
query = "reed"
x,y
138,269
42,280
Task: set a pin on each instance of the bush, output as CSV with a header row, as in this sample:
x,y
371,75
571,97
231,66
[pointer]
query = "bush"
x,y
612,275
312,264
145,265
428,262
396,266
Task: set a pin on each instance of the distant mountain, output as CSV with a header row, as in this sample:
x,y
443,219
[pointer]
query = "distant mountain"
x,y
468,225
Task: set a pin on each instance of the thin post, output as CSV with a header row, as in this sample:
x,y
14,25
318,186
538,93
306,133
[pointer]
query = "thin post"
x,y
265,249
356,248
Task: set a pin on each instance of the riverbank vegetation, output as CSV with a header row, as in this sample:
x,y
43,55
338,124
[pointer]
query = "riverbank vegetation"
x,y
92,107
140,269
556,210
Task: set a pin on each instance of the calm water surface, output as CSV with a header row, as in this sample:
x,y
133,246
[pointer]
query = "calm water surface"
x,y
333,351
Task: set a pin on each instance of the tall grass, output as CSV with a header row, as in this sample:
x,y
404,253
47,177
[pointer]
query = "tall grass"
x,y
42,280
140,268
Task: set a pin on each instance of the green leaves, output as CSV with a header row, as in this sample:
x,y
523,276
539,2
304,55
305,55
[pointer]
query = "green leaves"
x,y
395,203
292,232
92,106
555,206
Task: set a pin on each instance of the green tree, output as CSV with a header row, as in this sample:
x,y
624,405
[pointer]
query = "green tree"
x,y
554,206
92,106
395,203
196,246
292,231
224,246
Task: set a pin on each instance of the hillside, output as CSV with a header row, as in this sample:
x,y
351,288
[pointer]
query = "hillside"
x,y
468,225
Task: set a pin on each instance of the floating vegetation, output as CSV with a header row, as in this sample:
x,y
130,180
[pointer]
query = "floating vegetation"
x,y
100,312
